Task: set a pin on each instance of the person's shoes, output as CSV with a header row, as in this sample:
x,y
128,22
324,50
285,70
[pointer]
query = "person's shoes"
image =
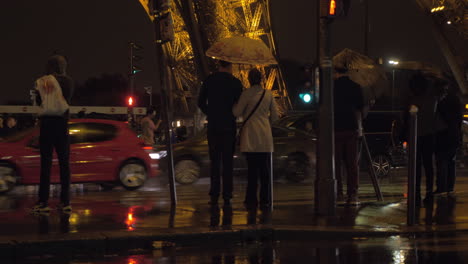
x,y
249,205
340,197
64,207
451,194
265,206
418,202
437,193
41,207
213,200
428,199
353,201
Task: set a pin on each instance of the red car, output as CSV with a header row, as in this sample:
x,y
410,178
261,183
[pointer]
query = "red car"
x,y
101,151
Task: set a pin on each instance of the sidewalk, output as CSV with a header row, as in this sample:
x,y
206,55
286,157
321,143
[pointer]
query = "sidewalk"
x,y
104,222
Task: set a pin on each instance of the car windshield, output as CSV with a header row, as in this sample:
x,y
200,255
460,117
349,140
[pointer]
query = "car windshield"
x,y
18,135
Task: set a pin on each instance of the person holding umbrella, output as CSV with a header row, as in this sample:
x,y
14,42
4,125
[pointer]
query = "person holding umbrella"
x,y
218,94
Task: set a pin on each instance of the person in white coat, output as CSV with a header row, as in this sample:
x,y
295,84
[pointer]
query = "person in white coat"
x,y
258,109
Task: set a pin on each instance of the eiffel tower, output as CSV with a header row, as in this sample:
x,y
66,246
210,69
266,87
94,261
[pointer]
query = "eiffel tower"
x,y
219,19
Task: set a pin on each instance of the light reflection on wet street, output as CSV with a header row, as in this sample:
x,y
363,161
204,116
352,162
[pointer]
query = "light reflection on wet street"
x,y
391,250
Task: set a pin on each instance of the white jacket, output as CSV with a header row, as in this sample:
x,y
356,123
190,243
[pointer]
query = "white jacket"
x,y
256,134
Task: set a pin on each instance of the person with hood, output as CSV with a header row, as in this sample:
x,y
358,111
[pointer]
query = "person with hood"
x,y
349,108
258,109
448,137
423,96
55,91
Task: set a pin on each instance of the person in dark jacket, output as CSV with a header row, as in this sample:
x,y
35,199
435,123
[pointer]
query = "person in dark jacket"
x,y
348,111
218,94
54,135
424,97
448,137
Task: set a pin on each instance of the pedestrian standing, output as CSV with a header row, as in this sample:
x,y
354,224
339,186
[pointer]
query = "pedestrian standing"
x,y
258,109
448,138
424,98
218,94
148,127
348,111
55,92
11,127
2,128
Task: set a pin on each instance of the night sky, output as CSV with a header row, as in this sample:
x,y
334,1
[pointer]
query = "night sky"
x,y
94,36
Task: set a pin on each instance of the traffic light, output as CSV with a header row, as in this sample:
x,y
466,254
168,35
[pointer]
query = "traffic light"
x,y
334,8
130,101
306,97
134,57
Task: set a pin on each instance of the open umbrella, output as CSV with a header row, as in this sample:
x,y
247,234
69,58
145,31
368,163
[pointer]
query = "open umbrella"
x,y
426,68
362,70
242,50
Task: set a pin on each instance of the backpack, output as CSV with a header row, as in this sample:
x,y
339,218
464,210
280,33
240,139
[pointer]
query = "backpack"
x,y
53,102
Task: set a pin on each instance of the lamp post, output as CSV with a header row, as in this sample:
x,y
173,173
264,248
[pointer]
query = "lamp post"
x,y
393,63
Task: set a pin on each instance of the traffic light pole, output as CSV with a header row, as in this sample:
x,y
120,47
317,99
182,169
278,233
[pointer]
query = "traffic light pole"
x,y
161,69
325,183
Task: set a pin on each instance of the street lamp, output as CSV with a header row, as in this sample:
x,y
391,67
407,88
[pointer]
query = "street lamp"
x,y
393,63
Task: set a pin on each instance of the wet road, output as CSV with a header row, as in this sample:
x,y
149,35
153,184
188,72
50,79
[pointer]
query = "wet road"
x,y
392,250
96,211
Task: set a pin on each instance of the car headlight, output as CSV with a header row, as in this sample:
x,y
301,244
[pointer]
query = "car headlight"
x,y
158,155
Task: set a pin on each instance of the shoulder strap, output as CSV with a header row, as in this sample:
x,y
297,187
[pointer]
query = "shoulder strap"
x,y
255,108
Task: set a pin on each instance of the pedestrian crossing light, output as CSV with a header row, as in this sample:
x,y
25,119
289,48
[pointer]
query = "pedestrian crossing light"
x,y
306,97
130,101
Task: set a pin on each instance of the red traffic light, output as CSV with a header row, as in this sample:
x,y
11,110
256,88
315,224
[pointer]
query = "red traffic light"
x,y
130,101
332,8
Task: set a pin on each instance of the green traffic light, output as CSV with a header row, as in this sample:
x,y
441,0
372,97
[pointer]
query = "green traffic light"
x,y
306,97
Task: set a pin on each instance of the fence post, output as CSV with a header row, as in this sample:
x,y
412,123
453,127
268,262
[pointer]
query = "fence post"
x,y
412,143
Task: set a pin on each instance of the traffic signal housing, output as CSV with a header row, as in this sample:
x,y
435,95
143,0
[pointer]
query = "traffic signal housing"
x,y
334,8
134,57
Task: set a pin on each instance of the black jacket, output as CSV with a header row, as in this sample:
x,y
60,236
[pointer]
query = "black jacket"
x,y
218,94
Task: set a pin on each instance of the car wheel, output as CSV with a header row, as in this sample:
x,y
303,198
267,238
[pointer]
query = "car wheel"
x,y
187,171
8,178
296,167
132,175
381,165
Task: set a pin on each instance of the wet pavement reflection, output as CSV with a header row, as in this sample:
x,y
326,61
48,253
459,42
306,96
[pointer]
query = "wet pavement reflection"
x,y
120,210
392,250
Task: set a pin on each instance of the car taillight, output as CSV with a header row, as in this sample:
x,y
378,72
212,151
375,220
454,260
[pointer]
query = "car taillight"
x,y
147,148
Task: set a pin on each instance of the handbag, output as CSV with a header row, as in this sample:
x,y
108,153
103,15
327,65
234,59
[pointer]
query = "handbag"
x,y
251,113
53,102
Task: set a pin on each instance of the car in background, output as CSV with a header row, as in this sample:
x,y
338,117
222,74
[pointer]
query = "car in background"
x,y
293,159
381,129
101,151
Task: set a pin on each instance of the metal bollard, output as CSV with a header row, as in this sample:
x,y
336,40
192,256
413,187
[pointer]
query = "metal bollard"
x,y
412,143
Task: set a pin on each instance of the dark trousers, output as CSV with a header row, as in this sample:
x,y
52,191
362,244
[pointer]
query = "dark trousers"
x,y
346,150
445,161
54,134
258,168
221,146
424,155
